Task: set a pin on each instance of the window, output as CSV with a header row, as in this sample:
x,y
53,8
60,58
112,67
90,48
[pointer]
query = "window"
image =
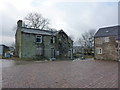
x,y
106,39
57,53
38,51
99,50
99,40
28,35
39,39
52,40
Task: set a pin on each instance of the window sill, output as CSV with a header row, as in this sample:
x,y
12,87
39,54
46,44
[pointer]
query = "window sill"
x,y
38,43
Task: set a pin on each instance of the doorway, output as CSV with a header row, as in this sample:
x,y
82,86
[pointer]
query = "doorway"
x,y
52,53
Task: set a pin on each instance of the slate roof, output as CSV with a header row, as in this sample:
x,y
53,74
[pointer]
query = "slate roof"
x,y
36,31
108,31
42,32
3,45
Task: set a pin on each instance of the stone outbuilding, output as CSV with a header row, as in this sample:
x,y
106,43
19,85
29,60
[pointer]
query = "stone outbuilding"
x,y
3,49
107,43
37,44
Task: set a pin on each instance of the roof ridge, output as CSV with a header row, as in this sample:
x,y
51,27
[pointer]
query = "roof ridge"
x,y
42,32
39,29
110,27
34,29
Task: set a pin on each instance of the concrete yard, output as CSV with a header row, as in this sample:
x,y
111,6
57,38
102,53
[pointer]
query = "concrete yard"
x,y
60,74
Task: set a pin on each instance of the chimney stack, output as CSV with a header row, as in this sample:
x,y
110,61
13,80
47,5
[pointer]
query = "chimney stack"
x,y
19,23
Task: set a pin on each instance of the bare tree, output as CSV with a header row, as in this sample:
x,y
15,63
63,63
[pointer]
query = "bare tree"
x,y
87,38
36,21
87,41
80,41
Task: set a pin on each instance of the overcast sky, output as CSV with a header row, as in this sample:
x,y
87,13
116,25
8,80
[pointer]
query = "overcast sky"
x,y
73,16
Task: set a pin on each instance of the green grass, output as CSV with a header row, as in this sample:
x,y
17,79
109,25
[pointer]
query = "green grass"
x,y
89,56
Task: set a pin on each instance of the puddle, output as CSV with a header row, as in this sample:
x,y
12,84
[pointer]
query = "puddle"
x,y
7,63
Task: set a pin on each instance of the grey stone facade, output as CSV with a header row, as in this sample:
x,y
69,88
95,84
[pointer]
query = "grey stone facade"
x,y
3,49
35,43
106,43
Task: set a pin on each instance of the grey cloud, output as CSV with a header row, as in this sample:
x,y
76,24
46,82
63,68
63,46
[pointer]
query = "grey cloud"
x,y
77,17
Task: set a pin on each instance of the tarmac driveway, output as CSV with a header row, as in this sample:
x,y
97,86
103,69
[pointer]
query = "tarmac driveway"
x,y
61,74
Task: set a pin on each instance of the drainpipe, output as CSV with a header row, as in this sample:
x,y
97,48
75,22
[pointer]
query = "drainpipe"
x,y
118,51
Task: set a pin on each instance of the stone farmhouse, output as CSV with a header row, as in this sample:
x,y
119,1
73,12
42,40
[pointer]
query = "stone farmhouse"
x,y
38,44
107,45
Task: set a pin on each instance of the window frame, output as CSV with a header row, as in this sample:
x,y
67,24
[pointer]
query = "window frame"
x,y
52,39
40,37
99,50
106,39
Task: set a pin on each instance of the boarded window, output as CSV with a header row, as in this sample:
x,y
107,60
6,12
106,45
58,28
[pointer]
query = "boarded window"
x,y
39,51
39,39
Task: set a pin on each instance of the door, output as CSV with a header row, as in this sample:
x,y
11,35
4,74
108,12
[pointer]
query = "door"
x,y
70,53
52,53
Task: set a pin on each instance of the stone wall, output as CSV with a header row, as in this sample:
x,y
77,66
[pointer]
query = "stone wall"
x,y
109,49
26,45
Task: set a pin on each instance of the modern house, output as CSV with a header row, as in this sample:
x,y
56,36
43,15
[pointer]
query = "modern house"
x,y
38,44
3,49
107,43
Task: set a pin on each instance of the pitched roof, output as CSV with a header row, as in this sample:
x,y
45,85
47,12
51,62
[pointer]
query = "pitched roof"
x,y
108,31
37,31
42,32
4,45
